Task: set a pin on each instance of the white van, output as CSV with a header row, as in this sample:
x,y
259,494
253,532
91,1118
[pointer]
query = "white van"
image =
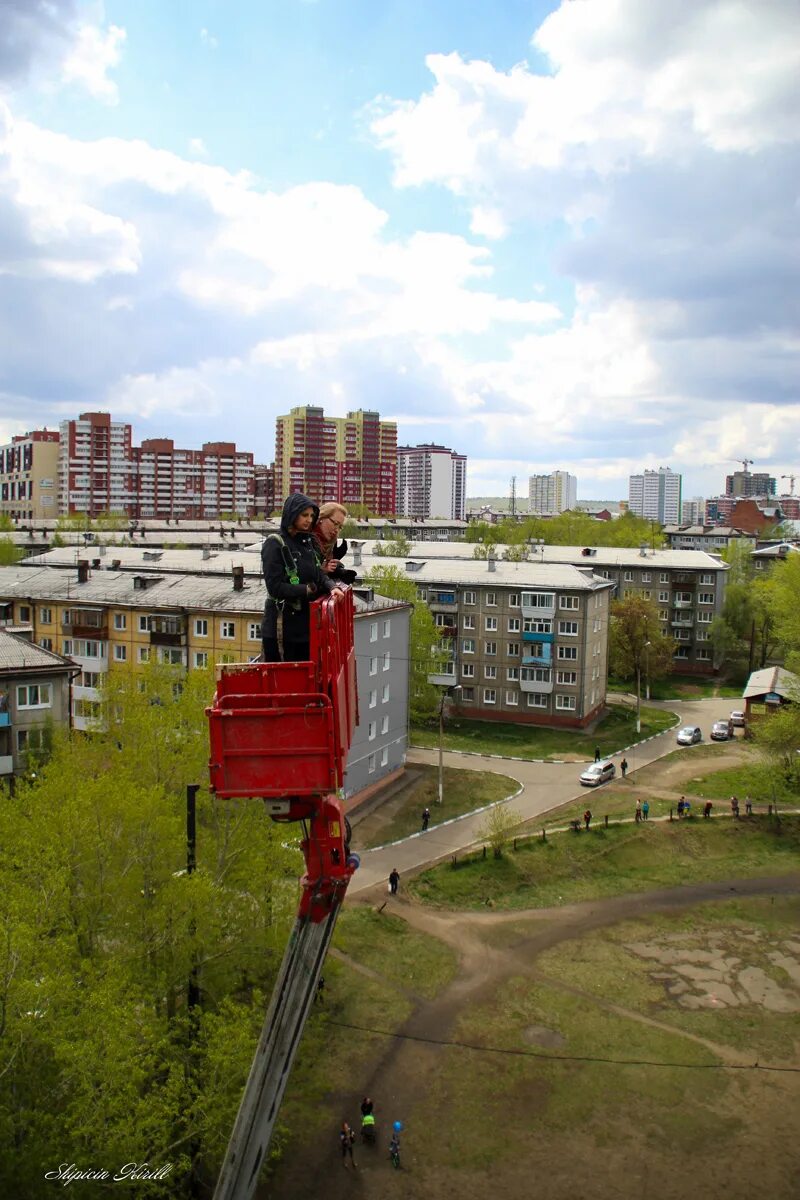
x,y
597,773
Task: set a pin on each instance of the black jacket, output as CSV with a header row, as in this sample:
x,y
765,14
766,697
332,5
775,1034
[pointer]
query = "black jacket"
x,y
296,556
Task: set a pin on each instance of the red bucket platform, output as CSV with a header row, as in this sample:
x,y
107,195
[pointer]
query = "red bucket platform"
x,y
284,729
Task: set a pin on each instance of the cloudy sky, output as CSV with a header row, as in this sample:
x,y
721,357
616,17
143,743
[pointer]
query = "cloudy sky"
x,y
548,235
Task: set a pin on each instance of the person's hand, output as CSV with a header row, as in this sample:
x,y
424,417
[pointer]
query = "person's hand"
x,y
330,566
311,589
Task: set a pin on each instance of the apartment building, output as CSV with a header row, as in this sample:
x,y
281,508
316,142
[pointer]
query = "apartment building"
x,y
351,459
712,538
527,642
34,694
105,618
750,483
693,512
193,484
687,586
656,496
553,493
96,466
29,476
264,488
431,482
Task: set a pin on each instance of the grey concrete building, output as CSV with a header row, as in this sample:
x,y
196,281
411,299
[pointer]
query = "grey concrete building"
x,y
34,697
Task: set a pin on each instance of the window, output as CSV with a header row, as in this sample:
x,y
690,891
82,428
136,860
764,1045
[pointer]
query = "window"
x,y
386,693
89,679
568,677
46,616
567,702
647,594
490,624
173,657
701,635
682,652
372,729
254,631
703,655
88,649
24,613
512,674
201,658
227,629
373,698
567,652
568,628
536,674
707,579
120,620
46,643
682,635
627,577
491,599
467,645
489,696
469,597
490,648
663,614
490,672
468,670
120,653
201,628
645,576
387,626
512,649
144,624
384,724
387,660
705,618
512,699
705,598
467,695
513,625
568,602
31,739
371,762
373,631
664,577
596,625
384,756
537,700
538,600
34,695
468,621
663,597
67,646
536,625
144,654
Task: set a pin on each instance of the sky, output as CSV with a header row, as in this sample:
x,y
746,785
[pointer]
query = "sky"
x,y
547,235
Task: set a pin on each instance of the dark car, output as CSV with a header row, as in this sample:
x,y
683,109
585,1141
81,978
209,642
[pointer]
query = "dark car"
x,y
721,731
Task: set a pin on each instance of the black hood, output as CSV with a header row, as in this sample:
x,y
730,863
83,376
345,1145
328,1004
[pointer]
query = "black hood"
x,y
293,506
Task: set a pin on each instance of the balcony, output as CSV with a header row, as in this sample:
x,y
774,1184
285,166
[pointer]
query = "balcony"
x,y
167,631
683,579
446,677
85,623
682,603
539,638
6,764
446,631
533,679
5,719
545,658
682,622
444,602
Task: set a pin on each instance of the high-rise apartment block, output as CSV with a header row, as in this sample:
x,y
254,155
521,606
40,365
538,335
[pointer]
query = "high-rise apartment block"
x,y
750,483
431,482
656,495
351,459
101,471
29,475
553,493
693,512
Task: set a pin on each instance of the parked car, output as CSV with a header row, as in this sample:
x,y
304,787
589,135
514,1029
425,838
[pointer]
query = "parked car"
x,y
721,731
597,773
737,718
689,735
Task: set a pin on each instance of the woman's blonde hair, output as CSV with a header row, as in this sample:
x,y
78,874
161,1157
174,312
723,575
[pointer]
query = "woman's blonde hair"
x,y
327,510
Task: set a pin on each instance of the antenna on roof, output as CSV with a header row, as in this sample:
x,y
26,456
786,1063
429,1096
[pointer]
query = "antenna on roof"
x,y
513,495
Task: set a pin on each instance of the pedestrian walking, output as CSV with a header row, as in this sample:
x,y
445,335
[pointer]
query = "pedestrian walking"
x,y
734,807
687,808
394,879
347,1139
426,816
680,807
638,816
646,809
623,766
587,817
597,754
748,806
319,994
707,807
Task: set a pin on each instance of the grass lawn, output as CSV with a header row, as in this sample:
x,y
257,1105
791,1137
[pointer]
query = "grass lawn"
x,y
616,730
612,862
681,687
462,792
385,944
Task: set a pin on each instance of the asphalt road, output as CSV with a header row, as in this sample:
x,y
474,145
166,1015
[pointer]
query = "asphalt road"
x,y
544,786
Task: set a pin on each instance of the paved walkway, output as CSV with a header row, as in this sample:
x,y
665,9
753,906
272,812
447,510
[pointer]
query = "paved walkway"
x,y
543,787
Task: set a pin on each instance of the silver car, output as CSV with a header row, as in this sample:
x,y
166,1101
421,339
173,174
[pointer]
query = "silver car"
x,y
597,773
689,735
737,718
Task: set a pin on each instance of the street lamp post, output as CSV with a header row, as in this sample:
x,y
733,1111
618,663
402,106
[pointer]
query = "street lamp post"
x,y
445,693
647,670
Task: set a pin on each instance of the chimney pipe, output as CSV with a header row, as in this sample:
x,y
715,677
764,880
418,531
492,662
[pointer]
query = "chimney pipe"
x,y
491,563
83,570
238,578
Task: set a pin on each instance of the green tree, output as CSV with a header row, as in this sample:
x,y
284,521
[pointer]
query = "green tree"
x,y
743,633
428,654
497,827
399,547
9,552
784,610
636,643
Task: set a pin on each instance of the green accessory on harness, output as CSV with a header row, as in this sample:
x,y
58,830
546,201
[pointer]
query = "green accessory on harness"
x,y
289,568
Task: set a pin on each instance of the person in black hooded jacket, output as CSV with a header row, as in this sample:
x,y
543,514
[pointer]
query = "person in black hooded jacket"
x,y
293,577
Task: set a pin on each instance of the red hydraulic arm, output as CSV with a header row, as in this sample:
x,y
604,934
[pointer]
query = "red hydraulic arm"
x,y
282,731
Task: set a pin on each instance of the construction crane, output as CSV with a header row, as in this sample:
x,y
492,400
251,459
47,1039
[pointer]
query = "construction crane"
x,y
282,731
791,479
746,462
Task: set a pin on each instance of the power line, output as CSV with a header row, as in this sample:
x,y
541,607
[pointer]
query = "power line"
x,y
599,1060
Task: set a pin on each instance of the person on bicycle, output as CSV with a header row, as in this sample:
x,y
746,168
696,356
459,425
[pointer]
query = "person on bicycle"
x,y
368,1127
394,1149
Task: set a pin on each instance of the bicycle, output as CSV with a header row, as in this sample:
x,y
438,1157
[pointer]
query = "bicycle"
x,y
394,1153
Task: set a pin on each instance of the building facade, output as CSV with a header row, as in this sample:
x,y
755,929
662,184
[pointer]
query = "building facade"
x,y
34,696
656,496
553,493
750,483
693,512
29,476
351,459
431,483
96,467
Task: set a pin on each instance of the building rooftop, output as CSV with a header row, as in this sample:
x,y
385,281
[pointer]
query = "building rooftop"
x,y
772,679
466,572
18,653
597,556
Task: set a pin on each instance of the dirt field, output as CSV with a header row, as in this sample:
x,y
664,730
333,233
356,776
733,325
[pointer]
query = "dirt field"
x,y
705,1123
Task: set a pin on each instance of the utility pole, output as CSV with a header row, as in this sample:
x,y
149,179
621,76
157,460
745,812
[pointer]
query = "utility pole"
x,y
513,495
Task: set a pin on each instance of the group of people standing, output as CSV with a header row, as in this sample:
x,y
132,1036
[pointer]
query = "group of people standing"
x,y
300,563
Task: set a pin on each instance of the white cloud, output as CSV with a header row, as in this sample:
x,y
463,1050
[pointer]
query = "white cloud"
x,y
197,148
94,53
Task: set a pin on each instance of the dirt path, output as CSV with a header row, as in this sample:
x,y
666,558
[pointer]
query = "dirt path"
x,y
404,1069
